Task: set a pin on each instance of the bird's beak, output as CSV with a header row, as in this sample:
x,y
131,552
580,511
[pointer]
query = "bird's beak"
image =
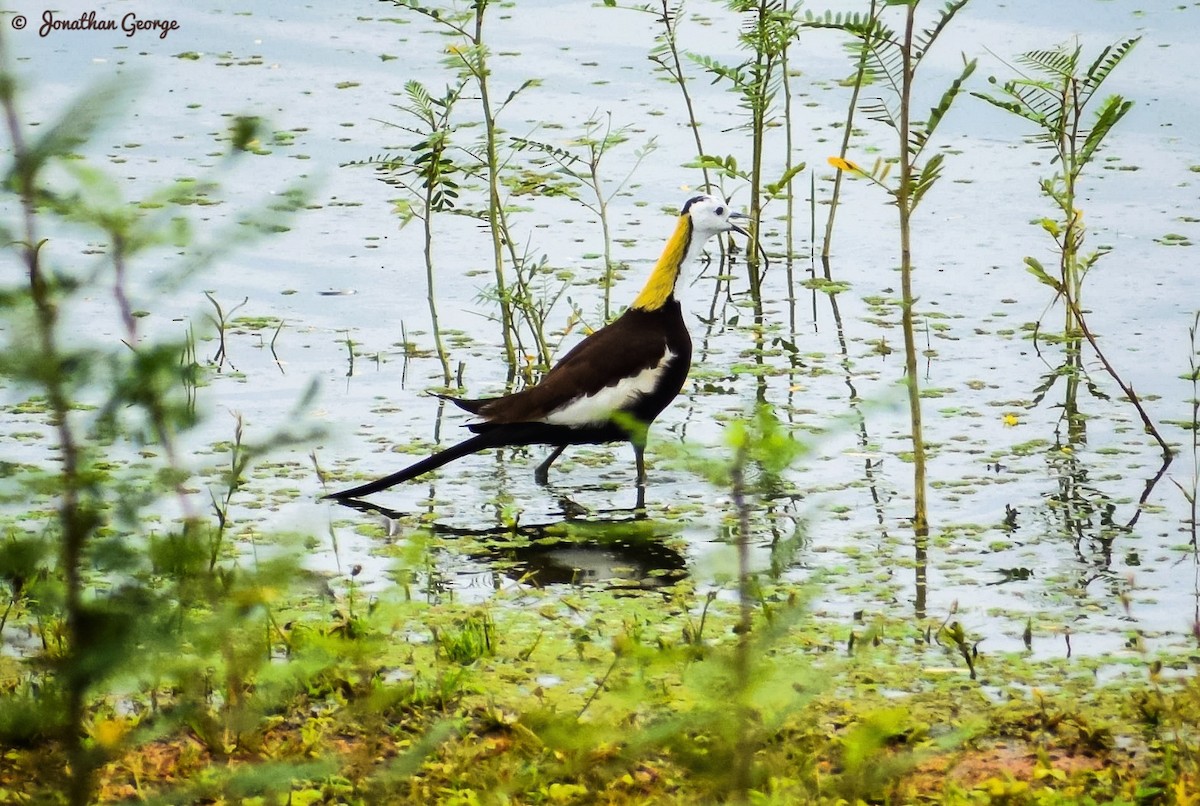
x,y
735,227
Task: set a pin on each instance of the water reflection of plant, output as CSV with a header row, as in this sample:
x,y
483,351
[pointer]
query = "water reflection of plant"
x,y
894,61
1055,97
1081,511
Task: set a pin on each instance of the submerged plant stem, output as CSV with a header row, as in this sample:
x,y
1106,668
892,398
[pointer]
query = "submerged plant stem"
x,y
1130,395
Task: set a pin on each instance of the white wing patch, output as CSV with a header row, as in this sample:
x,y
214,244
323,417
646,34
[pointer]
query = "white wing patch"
x,y
599,408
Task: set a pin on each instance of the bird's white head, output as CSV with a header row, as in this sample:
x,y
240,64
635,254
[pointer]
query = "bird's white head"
x,y
712,215
701,218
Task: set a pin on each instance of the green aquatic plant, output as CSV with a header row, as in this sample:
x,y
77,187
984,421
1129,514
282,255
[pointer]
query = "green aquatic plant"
x,y
430,179
765,445
468,59
768,29
598,138
232,480
1056,97
471,61
97,629
525,297
472,638
893,60
861,51
760,449
220,321
667,56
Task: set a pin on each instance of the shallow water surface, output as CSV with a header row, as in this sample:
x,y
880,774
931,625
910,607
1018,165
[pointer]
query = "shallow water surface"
x,y
1077,537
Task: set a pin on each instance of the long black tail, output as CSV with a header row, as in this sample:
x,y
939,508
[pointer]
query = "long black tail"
x,y
478,442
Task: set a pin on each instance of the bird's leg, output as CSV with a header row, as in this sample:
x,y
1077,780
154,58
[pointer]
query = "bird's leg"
x,y
639,457
542,474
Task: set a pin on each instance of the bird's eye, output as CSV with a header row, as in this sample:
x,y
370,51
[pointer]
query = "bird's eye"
x,y
720,211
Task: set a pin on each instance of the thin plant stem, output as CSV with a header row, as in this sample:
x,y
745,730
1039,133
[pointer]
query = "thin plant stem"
x,y
1130,395
1071,279
675,71
790,203
1194,376
744,748
904,205
73,520
859,75
119,294
609,265
760,94
495,212
600,685
430,296
533,315
595,152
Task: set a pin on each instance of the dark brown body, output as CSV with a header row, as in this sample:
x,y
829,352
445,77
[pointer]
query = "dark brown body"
x,y
634,342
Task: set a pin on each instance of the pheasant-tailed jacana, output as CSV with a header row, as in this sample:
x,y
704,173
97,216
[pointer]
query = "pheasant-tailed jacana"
x,y
612,385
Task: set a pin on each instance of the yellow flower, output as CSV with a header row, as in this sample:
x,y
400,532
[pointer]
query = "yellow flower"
x,y
1182,796
254,596
108,733
1010,419
844,165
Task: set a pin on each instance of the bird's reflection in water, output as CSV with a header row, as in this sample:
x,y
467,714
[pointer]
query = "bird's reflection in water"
x,y
618,547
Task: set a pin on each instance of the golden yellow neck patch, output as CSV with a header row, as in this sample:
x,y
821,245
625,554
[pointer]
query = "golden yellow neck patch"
x,y
661,284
